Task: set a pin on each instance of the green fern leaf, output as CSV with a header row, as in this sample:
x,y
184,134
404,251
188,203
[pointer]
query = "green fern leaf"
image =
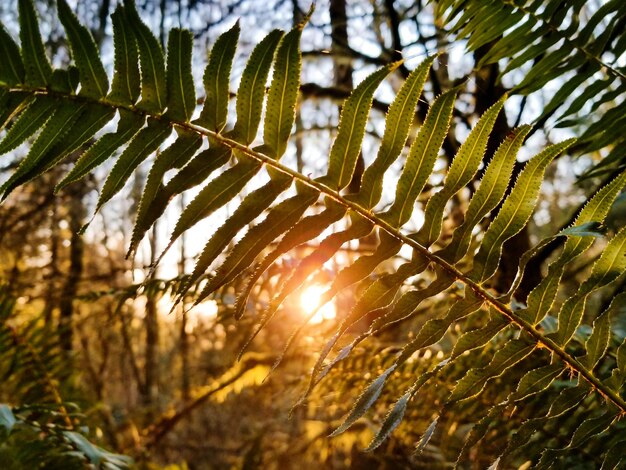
x,y
392,420
175,156
283,93
249,209
533,382
382,291
152,63
195,172
214,195
65,81
491,190
614,457
363,266
567,399
543,71
499,20
142,145
397,126
181,94
11,105
280,219
304,230
479,337
349,275
347,145
57,126
217,80
598,342
371,394
434,329
12,72
608,267
589,428
462,170
589,229
541,297
36,64
618,375
621,362
508,46
475,380
532,53
125,88
536,381
377,296
428,434
515,212
406,307
127,127
359,228
365,401
93,79
534,36
33,118
93,118
252,88
564,92
421,159
479,431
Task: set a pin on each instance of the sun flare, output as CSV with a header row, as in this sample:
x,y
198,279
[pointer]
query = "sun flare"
x,y
309,301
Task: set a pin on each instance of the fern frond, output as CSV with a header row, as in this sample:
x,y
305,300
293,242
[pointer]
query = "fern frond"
x,y
520,33
250,208
304,230
397,126
13,72
490,192
151,61
279,219
541,297
610,265
347,144
38,71
145,142
181,93
463,168
65,108
93,79
252,88
125,88
127,127
217,81
421,159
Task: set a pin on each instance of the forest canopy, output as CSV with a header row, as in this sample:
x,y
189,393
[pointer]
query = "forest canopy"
x,y
370,234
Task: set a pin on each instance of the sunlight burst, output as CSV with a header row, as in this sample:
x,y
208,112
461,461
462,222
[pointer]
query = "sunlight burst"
x,y
309,301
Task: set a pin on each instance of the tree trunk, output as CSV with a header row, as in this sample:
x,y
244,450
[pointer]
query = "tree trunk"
x,y
51,299
76,217
152,333
184,339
